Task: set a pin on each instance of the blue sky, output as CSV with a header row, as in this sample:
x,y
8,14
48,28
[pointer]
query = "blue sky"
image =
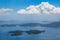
x,y
11,9
19,4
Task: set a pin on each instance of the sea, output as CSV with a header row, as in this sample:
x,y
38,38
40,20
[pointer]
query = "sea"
x,y
51,33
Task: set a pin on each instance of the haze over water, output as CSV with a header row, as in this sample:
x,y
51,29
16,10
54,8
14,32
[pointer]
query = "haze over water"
x,y
29,19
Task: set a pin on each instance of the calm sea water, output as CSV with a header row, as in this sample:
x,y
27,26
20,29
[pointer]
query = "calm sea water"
x,y
49,34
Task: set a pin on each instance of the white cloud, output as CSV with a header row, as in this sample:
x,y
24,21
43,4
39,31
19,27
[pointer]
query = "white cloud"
x,y
5,10
43,8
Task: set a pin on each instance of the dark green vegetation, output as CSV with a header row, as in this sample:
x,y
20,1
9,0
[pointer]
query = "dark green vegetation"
x,y
34,31
53,24
19,32
15,33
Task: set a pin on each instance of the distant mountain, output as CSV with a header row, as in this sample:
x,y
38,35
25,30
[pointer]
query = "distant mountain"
x,y
53,24
31,24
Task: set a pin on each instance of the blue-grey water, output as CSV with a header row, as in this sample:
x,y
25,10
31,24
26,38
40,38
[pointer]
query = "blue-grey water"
x,y
49,34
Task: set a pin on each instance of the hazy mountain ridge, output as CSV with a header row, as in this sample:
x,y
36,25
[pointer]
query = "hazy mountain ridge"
x,y
53,24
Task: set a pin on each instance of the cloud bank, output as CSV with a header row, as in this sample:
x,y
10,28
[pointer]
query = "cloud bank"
x,y
5,10
43,8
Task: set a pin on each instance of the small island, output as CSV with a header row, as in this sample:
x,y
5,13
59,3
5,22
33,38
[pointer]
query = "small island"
x,y
20,32
15,32
34,31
